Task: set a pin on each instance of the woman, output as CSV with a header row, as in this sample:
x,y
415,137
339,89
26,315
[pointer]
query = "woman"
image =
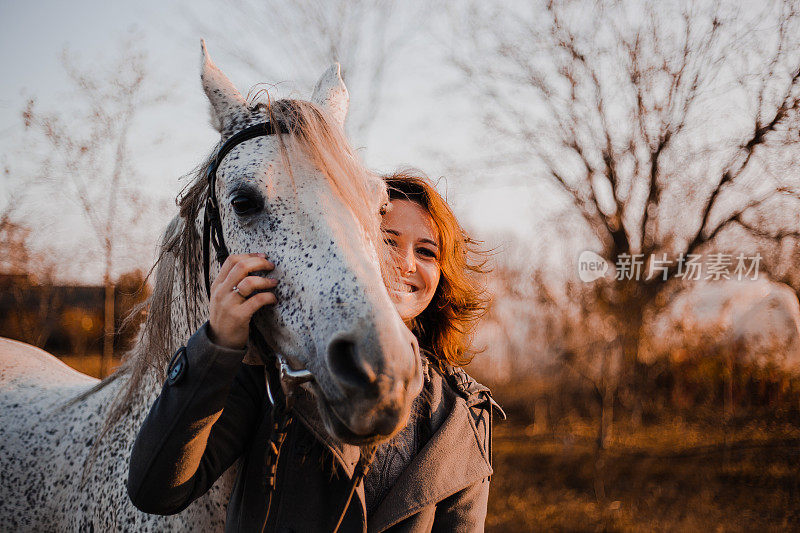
x,y
432,476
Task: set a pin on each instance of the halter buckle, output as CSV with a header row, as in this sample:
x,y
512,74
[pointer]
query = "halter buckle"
x,y
290,380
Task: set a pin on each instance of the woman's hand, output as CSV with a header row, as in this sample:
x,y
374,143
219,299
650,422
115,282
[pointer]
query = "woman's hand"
x,y
234,298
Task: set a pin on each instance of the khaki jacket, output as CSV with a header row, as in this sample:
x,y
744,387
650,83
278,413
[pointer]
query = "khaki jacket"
x,y
213,411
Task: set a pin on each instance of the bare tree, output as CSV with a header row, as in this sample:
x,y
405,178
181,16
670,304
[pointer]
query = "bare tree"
x,y
90,159
276,39
660,126
28,273
26,283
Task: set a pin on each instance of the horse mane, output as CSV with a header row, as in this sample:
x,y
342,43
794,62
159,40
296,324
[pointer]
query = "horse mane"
x,y
324,143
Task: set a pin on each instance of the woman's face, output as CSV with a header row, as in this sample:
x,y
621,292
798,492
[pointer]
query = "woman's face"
x,y
410,230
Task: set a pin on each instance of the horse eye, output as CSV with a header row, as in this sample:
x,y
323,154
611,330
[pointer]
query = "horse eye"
x,y
244,204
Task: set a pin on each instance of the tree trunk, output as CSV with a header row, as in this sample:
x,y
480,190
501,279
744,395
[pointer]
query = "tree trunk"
x,y
606,425
629,374
729,408
108,329
541,418
603,428
605,396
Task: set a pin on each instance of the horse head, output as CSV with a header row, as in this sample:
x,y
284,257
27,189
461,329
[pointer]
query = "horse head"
x,y
302,197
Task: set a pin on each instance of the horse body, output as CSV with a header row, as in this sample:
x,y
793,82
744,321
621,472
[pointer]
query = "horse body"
x,y
53,473
44,446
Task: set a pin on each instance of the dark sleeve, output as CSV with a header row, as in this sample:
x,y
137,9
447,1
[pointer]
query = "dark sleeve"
x,y
197,427
464,511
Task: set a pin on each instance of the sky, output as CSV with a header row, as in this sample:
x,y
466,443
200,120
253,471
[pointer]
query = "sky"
x,y
423,121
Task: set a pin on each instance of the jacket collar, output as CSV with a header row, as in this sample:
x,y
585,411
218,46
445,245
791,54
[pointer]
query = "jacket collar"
x,y
472,391
451,460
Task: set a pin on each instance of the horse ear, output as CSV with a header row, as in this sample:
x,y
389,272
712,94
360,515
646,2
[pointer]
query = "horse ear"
x,y
331,94
228,108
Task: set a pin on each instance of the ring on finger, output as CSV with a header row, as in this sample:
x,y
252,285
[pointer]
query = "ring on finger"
x,y
237,291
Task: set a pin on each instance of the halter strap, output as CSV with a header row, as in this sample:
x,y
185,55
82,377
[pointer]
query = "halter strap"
x,y
212,223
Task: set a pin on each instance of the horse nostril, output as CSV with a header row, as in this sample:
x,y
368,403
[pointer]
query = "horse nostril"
x,y
346,365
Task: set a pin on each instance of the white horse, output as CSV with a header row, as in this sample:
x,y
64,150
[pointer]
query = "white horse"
x,y
303,199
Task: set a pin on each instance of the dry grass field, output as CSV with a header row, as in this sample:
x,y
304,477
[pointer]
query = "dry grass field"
x,y
667,477
88,364
676,475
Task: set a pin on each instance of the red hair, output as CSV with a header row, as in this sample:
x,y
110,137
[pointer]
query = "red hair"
x,y
446,326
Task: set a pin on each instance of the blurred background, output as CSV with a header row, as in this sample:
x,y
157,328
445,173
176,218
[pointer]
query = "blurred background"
x,y
630,165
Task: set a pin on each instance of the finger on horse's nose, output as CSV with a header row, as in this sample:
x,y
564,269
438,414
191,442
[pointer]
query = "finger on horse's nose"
x,y
348,368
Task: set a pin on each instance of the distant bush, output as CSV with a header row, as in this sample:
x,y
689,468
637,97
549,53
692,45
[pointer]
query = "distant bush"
x,y
68,319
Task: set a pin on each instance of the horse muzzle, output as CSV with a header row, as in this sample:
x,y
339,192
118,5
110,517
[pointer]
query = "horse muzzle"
x,y
376,388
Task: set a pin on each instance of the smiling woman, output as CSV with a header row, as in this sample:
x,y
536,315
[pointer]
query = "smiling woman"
x,y
447,267
438,295
413,236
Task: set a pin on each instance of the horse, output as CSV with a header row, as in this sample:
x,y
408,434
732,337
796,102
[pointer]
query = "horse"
x,y
302,197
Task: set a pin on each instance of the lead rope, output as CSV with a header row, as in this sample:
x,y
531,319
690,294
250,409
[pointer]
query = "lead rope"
x,y
280,427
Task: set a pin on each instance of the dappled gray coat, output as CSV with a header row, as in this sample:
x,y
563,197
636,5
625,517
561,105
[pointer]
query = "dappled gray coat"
x,y
216,410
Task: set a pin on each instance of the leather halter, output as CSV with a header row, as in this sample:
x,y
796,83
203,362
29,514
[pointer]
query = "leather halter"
x,y
212,223
287,379
213,236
